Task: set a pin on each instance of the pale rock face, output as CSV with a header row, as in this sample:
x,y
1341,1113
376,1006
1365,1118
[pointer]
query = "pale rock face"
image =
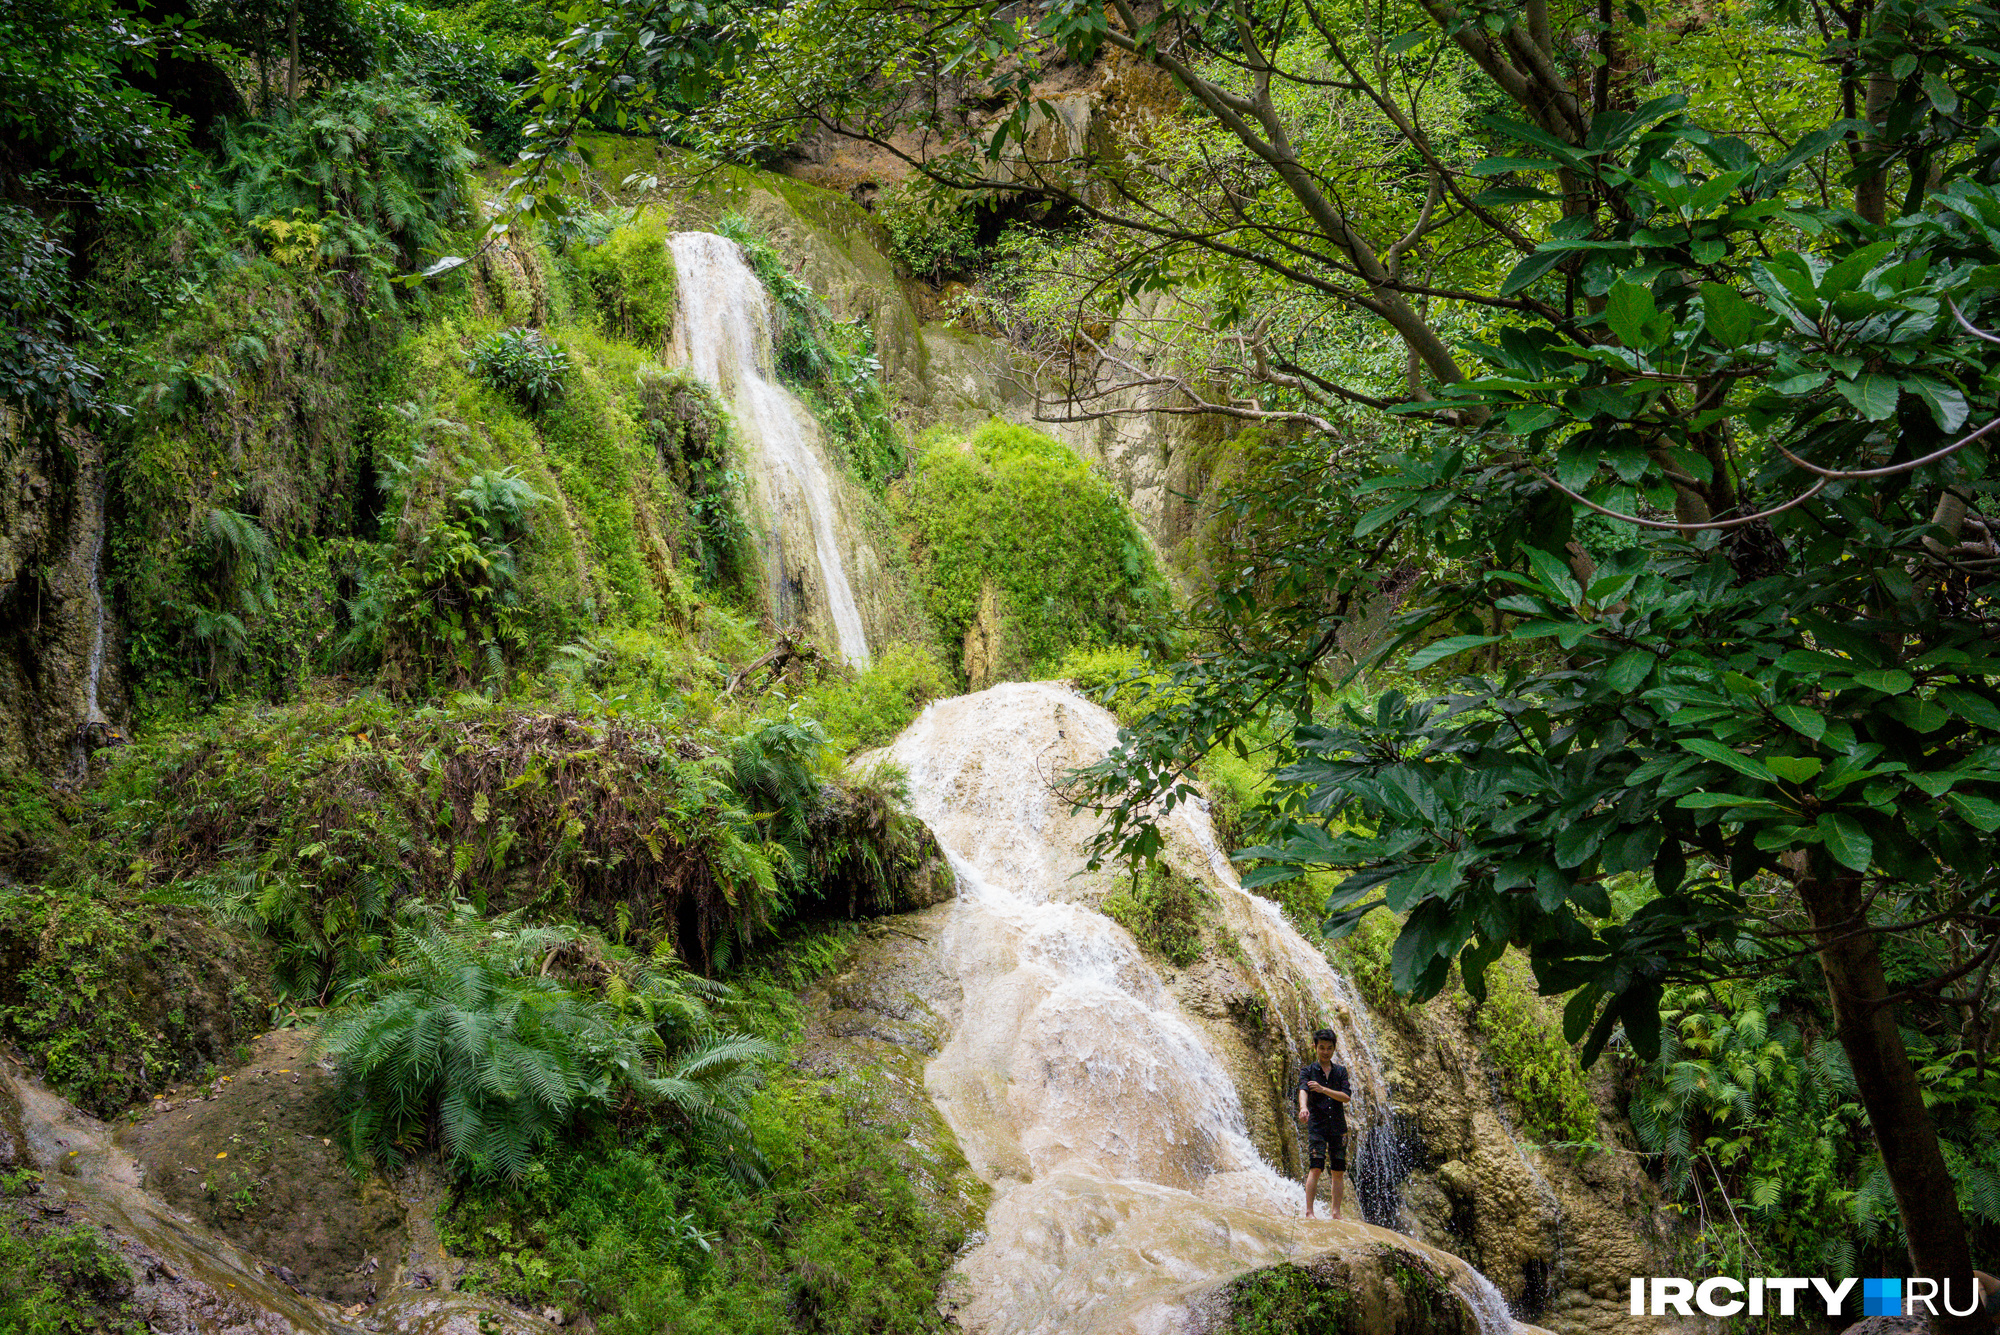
x,y
1113,1118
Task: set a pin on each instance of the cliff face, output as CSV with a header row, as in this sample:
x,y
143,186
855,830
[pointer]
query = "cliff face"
x,y
60,690
1562,1228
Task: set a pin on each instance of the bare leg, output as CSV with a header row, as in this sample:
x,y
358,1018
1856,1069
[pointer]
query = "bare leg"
x,y
1336,1184
1312,1190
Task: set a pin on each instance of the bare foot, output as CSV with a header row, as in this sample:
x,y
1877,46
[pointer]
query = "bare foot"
x,y
1309,1214
1336,1214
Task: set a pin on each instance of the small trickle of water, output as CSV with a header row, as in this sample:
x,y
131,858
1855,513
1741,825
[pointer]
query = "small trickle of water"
x,y
723,334
93,713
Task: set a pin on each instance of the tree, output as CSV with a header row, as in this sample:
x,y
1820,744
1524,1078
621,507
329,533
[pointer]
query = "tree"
x,y
1699,405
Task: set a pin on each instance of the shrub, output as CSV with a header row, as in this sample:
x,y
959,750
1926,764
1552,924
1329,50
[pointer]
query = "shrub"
x,y
485,1041
850,1237
522,364
1164,911
64,1281
630,273
1539,1071
933,239
870,709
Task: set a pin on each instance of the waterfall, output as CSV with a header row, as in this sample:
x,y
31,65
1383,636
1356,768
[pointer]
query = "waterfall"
x,y
1126,1180
723,334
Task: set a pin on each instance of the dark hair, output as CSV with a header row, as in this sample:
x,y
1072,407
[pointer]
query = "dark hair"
x,y
1326,1036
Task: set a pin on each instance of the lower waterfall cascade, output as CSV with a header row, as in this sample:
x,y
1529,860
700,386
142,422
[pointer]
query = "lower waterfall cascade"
x,y
1126,1180
723,334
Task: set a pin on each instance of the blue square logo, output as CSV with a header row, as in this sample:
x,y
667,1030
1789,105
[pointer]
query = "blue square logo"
x,y
1881,1297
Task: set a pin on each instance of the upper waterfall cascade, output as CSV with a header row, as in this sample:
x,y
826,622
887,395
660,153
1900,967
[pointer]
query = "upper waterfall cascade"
x,y
723,333
1126,1178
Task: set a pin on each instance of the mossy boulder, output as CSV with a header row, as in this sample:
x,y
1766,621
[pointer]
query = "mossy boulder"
x,y
1383,1291
1024,552
255,1155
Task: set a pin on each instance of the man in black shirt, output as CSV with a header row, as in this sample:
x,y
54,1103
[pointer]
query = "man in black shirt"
x,y
1323,1099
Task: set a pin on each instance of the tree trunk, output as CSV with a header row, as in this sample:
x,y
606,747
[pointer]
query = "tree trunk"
x,y
292,69
1925,1193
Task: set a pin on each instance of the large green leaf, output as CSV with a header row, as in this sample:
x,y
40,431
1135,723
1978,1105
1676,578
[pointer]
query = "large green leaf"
x,y
1849,844
1983,813
1733,320
1801,720
1873,395
1633,315
1722,755
1445,648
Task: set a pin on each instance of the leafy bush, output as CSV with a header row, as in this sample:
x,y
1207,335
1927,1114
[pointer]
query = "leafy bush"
x,y
381,169
932,238
871,708
630,272
63,1281
522,364
113,997
485,1041
440,604
459,65
1164,911
1539,1071
649,1235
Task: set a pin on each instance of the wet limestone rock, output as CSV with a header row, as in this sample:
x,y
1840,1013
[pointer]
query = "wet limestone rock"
x,y
1560,1230
253,1157
879,1017
57,627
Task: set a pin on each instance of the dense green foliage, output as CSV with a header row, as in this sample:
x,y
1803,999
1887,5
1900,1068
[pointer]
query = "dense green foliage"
x,y
486,1041
1165,912
1012,513
522,364
60,1281
842,1242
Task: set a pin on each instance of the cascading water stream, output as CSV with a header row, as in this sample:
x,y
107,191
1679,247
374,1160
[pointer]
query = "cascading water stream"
x,y
723,334
1126,1180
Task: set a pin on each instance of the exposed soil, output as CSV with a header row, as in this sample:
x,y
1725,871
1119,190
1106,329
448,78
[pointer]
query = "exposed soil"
x,y
254,1157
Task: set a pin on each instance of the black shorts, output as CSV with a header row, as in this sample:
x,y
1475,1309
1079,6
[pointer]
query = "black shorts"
x,y
1322,1142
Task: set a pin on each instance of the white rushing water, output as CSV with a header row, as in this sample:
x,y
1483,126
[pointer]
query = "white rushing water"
x,y
1126,1178
723,333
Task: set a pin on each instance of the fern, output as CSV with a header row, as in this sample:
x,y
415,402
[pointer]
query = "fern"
x,y
471,1043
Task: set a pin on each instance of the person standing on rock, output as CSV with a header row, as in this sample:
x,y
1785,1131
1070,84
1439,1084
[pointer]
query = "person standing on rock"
x,y
1323,1099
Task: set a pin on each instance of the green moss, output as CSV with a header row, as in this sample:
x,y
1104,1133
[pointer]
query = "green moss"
x,y
1287,1300
631,277
112,997
1319,1297
1169,914
852,1236
1014,511
1366,952
871,708
1539,1071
